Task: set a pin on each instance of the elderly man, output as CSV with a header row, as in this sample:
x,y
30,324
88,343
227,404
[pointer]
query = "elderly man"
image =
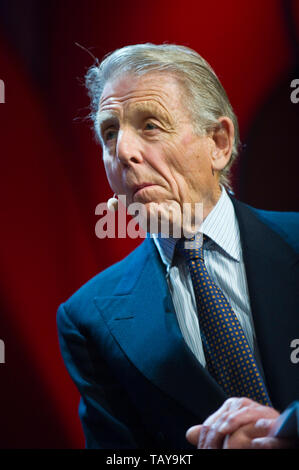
x,y
172,337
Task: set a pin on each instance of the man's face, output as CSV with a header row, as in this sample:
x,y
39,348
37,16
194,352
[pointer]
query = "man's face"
x,y
148,138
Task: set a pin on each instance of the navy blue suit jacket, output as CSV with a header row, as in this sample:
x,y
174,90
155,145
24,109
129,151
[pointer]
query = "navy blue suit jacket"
x,y
141,386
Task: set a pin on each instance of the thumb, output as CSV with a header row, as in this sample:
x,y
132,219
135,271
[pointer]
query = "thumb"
x,y
192,434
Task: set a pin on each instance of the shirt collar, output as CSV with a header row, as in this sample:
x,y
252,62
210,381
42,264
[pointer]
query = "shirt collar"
x,y
220,226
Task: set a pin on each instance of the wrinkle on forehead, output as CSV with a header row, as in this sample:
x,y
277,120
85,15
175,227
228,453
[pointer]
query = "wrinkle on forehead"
x,y
134,94
129,87
150,108
124,96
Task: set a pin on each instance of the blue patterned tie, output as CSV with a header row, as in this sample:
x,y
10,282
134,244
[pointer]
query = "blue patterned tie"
x,y
228,355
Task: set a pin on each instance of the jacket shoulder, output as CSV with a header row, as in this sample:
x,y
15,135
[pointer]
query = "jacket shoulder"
x,y
103,283
285,224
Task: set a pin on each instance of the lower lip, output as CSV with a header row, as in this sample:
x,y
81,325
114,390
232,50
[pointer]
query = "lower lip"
x,y
145,187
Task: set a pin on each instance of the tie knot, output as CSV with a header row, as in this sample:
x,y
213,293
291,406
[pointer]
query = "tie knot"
x,y
191,248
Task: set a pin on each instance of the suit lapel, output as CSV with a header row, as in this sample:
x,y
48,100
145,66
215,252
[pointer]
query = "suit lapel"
x,y
272,275
141,317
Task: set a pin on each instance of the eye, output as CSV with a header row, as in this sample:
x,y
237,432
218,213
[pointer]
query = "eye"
x,y
110,134
149,126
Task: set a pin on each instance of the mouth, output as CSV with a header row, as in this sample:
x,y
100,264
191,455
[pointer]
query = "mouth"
x,y
138,188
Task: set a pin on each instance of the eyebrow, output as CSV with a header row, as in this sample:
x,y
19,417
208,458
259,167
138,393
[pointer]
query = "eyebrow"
x,y
104,118
152,108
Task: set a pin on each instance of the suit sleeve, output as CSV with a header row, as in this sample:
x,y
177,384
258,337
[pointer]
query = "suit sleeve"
x,y
108,417
287,424
296,405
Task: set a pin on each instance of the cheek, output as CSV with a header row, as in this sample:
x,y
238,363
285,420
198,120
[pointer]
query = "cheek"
x,y
196,156
167,158
186,141
162,159
113,175
181,157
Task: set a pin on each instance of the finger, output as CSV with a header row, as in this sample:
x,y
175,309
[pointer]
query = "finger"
x,y
245,416
192,434
202,437
213,439
230,404
241,439
265,425
229,417
271,443
211,435
225,444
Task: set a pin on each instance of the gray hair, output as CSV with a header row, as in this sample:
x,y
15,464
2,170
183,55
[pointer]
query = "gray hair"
x,y
207,99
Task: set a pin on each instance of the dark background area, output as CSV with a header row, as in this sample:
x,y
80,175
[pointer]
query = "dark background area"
x,y
52,176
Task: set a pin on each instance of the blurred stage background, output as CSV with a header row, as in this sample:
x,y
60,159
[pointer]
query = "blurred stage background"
x,y
52,176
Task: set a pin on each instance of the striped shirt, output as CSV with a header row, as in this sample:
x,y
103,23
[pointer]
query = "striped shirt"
x,y
224,263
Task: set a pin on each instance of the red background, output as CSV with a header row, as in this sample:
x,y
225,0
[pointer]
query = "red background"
x,y
52,176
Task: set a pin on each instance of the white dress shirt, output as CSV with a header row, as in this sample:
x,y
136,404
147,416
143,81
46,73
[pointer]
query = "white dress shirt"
x,y
224,262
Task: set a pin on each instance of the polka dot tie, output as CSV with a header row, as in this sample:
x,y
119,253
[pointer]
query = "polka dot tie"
x,y
228,355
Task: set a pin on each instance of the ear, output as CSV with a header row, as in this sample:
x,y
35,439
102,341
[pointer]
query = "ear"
x,y
223,139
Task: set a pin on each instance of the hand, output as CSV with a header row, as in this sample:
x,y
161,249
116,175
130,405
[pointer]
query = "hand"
x,y
239,422
243,437
252,436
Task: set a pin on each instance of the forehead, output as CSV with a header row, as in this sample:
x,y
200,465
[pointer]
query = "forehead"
x,y
161,90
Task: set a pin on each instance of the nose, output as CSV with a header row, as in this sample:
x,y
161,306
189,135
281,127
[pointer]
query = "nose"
x,y
128,147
